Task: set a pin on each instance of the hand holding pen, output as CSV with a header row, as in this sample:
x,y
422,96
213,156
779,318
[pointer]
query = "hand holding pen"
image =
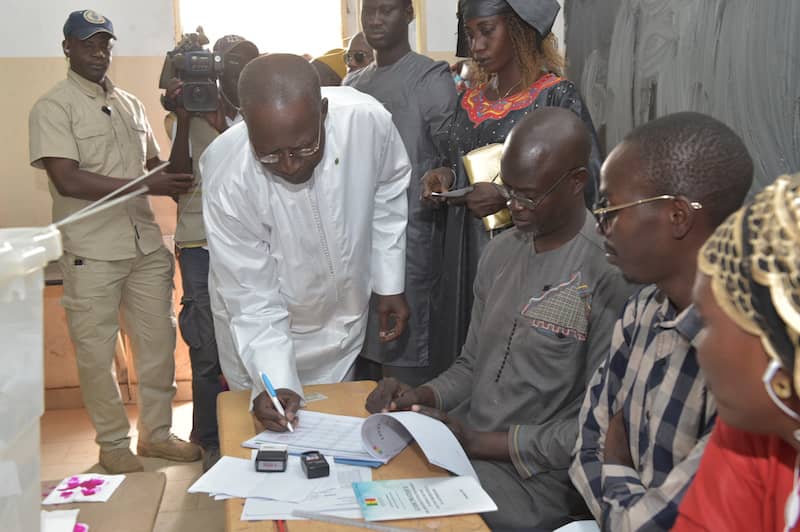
x,y
276,409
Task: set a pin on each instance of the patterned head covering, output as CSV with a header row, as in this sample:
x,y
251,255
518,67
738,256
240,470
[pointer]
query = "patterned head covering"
x,y
539,14
753,260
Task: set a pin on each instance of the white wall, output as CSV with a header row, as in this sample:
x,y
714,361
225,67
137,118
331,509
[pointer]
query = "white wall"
x,y
442,25
298,26
34,28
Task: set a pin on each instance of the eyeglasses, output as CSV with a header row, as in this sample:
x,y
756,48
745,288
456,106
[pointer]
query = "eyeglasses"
x,y
299,153
601,212
531,204
357,57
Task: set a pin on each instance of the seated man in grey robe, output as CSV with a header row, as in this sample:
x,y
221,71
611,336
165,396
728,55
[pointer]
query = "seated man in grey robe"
x,y
545,304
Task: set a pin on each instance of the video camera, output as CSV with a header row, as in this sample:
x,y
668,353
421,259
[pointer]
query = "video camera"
x,y
198,68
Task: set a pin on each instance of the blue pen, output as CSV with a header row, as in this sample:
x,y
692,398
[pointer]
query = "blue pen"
x,y
274,397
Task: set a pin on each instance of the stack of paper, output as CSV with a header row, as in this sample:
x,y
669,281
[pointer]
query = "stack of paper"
x,y
330,434
339,502
276,495
372,441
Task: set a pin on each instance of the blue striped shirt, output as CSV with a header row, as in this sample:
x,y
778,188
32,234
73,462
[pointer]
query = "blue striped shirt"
x,y
653,376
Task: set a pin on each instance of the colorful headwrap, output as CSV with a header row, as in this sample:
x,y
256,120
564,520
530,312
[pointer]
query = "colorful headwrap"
x,y
539,14
753,260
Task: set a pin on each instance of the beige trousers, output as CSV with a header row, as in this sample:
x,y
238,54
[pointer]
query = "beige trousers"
x,y
97,294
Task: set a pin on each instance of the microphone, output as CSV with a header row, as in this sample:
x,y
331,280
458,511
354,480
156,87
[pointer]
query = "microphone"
x,y
106,109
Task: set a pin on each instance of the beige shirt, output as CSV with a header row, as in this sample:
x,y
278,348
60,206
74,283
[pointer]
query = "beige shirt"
x,y
107,133
190,231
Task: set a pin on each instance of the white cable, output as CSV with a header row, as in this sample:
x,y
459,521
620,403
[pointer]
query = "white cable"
x,y
113,193
107,205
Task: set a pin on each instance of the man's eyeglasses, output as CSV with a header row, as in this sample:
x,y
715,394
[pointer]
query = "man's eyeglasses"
x,y
604,213
533,204
298,153
357,58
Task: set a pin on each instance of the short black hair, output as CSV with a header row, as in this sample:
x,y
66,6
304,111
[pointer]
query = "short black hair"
x,y
697,156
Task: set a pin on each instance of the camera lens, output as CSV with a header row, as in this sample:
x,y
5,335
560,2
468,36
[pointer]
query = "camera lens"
x,y
198,93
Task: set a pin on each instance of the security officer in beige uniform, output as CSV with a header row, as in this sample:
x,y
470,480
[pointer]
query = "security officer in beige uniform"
x,y
92,138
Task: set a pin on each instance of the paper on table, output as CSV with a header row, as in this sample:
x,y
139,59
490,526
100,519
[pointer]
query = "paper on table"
x,y
387,434
338,500
231,476
421,497
579,526
59,520
330,434
237,477
378,438
84,488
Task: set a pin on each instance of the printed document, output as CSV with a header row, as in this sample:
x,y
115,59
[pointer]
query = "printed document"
x,y
384,500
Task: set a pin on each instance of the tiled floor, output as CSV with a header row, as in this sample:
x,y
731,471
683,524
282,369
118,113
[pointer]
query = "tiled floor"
x,y
68,447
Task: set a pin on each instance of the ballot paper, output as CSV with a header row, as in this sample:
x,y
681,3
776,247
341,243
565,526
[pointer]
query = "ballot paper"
x,y
384,500
84,488
376,439
337,498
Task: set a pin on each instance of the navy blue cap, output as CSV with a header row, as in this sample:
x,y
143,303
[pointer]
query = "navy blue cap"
x,y
85,23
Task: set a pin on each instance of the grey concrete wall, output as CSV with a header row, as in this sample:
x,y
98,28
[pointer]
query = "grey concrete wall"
x,y
737,60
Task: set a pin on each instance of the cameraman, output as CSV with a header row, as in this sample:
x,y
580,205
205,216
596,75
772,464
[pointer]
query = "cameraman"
x,y
191,136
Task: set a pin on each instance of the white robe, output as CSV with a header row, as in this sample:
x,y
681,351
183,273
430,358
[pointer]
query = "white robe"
x,y
292,266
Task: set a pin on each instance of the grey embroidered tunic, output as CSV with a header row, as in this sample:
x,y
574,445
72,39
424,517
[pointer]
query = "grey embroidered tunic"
x,y
541,325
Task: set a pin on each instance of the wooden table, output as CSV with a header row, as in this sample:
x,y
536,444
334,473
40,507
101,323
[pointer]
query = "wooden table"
x,y
236,425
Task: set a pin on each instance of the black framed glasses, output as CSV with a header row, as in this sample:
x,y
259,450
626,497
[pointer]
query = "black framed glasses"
x,y
357,57
297,153
604,213
533,204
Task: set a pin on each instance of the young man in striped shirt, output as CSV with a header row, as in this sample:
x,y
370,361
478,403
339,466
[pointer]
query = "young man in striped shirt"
x,y
647,414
